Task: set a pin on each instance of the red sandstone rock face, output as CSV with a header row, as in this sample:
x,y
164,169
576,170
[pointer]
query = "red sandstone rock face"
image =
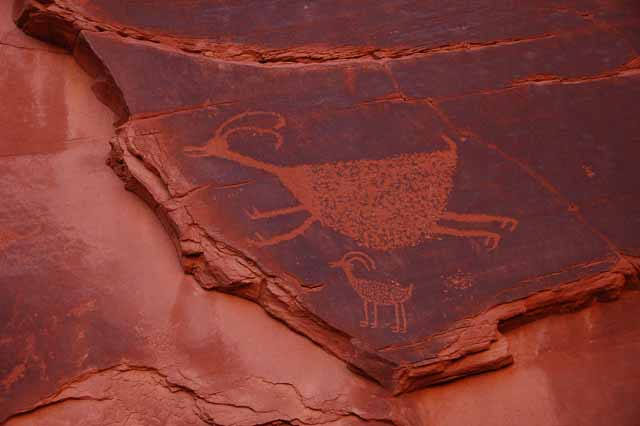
x,y
99,324
404,165
393,191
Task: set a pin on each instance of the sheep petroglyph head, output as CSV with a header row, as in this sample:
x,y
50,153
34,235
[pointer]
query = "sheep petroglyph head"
x,y
218,145
347,261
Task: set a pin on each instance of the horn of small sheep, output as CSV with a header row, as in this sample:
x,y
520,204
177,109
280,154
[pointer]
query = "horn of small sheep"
x,y
361,257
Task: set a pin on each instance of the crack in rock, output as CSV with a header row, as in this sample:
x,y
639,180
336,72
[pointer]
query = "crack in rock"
x,y
130,393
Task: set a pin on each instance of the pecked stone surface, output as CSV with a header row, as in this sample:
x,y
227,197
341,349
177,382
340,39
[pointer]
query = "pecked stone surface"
x,y
393,191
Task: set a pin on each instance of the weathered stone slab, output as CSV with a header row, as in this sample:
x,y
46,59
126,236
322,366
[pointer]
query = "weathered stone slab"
x,y
392,210
98,323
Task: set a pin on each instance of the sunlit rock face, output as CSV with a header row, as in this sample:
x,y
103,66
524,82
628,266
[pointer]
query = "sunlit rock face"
x,y
331,209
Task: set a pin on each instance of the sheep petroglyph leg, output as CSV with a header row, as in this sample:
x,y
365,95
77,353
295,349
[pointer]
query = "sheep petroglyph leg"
x,y
404,318
365,323
257,214
504,222
491,238
375,316
260,241
397,328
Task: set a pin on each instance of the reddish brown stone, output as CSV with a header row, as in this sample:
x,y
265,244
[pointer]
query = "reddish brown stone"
x,y
562,375
591,176
98,324
570,57
281,30
444,187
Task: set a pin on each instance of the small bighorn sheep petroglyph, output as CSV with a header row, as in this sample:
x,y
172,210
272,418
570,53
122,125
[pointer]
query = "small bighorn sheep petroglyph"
x,y
382,204
375,292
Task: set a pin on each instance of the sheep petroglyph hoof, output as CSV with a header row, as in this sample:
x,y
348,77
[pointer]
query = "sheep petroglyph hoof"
x,y
509,224
258,240
492,241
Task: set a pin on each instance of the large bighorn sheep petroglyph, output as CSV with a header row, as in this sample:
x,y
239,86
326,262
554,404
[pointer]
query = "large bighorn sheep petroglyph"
x,y
382,204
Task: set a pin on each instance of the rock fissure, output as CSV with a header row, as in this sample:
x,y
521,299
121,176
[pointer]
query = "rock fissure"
x,y
30,48
629,70
26,413
111,384
231,52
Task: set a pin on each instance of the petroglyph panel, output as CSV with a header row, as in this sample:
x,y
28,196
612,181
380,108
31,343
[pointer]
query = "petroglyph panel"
x,y
434,210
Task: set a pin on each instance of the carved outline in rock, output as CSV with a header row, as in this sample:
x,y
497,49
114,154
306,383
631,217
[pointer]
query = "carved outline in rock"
x,y
375,292
398,208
